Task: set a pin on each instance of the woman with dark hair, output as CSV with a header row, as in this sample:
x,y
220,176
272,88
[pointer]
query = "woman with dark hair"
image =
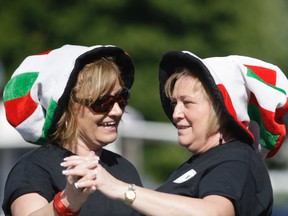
x,y
70,101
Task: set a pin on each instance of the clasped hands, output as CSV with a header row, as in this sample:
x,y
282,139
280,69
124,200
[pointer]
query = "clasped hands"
x,y
81,171
85,175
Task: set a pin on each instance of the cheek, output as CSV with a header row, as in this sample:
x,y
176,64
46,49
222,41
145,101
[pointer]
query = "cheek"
x,y
86,119
197,115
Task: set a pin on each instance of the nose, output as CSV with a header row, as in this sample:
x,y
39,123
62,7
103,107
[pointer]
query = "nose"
x,y
178,112
116,110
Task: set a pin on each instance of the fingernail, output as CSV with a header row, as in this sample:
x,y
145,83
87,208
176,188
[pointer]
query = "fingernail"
x,y
95,162
64,172
76,185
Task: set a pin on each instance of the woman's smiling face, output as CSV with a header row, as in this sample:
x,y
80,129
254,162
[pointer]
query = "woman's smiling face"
x,y
96,130
191,114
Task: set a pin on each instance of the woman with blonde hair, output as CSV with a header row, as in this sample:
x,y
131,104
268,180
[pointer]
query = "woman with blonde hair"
x,y
70,102
228,112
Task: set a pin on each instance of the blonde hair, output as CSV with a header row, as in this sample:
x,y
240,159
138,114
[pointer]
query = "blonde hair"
x,y
202,91
94,80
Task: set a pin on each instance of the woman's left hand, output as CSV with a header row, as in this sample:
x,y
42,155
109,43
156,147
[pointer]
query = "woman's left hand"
x,y
90,176
80,169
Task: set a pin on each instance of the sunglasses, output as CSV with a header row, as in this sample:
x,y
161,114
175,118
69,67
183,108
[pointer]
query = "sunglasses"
x,y
106,102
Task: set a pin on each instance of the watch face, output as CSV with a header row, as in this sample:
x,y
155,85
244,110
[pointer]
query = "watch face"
x,y
130,195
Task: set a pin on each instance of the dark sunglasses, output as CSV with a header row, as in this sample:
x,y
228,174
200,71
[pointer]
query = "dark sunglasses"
x,y
105,103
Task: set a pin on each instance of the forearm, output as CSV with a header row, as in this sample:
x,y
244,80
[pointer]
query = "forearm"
x,y
47,210
155,203
32,205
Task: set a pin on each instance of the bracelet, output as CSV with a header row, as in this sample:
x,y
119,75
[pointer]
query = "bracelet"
x,y
60,208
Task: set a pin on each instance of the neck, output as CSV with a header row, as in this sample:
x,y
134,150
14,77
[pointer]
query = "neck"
x,y
214,140
81,149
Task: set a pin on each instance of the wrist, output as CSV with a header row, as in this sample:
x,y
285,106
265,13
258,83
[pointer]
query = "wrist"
x,y
130,194
61,209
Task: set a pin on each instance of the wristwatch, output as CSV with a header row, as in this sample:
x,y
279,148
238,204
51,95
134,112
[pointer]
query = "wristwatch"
x,y
130,195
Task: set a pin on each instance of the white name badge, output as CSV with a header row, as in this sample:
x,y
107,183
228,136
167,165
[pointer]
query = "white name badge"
x,y
186,176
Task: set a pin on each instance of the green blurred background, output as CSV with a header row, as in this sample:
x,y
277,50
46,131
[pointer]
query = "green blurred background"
x,y
147,29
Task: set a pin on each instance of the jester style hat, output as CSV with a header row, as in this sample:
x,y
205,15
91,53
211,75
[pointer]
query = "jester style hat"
x,y
39,89
252,93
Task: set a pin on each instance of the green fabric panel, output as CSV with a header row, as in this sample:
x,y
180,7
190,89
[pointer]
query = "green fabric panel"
x,y
49,117
19,85
267,139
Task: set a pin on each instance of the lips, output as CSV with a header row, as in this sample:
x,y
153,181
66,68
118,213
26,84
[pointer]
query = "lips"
x,y
179,127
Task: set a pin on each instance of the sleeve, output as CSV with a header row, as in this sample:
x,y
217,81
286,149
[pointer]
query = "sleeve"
x,y
26,177
132,174
120,167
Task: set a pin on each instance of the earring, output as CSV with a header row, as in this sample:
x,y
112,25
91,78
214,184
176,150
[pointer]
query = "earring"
x,y
220,138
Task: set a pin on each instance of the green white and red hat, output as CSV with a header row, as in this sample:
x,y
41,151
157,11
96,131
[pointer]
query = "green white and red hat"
x,y
252,93
39,89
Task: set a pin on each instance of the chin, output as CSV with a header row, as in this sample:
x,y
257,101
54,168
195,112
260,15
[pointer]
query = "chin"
x,y
184,143
109,140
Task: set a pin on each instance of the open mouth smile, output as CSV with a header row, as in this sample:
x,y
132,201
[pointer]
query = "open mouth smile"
x,y
108,124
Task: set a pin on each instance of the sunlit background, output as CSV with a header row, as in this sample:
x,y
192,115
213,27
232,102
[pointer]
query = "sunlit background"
x,y
146,29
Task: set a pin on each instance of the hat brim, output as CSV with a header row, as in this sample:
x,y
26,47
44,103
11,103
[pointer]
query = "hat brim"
x,y
174,60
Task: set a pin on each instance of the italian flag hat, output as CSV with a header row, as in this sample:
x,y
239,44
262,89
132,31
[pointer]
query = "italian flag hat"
x,y
39,89
252,93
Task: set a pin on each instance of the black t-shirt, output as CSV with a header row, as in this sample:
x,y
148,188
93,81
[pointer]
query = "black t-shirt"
x,y
40,171
232,170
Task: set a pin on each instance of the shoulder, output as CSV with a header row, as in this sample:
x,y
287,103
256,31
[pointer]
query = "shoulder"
x,y
234,150
235,160
119,167
112,158
231,157
44,155
38,170
42,161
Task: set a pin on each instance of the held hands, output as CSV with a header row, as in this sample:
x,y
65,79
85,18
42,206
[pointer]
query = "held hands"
x,y
79,169
81,172
85,175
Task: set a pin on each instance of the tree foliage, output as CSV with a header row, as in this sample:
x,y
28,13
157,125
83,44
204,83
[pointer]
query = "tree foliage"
x,y
146,29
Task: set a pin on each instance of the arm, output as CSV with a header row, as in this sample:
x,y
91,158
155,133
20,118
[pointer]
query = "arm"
x,y
33,204
151,202
157,203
